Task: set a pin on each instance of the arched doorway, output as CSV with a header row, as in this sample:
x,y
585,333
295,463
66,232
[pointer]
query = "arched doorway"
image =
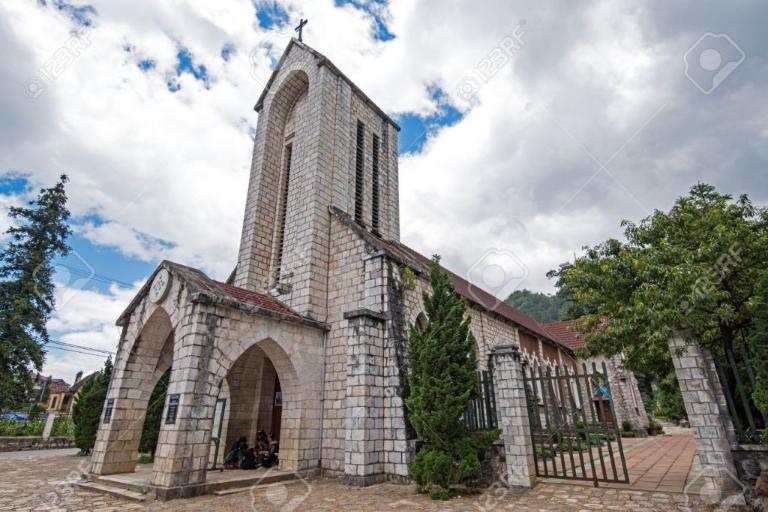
x,y
263,396
149,358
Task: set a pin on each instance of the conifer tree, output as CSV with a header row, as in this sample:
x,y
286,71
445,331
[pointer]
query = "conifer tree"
x,y
443,381
151,430
86,413
39,235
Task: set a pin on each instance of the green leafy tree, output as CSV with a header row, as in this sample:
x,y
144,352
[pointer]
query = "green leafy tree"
x,y
544,308
690,270
152,420
668,399
758,348
86,412
443,381
39,235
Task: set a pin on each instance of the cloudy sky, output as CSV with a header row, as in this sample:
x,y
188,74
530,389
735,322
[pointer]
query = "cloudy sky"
x,y
530,128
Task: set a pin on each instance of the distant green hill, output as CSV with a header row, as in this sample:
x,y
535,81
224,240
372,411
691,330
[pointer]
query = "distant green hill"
x,y
544,308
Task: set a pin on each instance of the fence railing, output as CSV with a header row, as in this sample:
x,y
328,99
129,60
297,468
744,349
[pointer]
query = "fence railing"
x,y
481,413
737,378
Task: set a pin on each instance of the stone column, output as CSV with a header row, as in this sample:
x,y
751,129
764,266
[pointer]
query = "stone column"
x,y
364,455
628,403
183,445
705,405
513,415
364,442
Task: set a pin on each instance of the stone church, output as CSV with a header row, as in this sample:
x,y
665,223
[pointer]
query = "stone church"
x,y
307,338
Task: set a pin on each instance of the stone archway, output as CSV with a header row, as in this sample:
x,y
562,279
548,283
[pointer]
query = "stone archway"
x,y
135,376
252,380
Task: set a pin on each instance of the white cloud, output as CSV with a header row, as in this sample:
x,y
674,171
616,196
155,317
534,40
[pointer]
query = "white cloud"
x,y
595,83
84,317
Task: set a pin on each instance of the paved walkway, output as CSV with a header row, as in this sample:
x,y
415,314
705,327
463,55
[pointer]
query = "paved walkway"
x,y
659,463
28,454
44,483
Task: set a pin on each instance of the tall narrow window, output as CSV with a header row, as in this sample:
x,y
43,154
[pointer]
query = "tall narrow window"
x,y
359,166
282,210
375,187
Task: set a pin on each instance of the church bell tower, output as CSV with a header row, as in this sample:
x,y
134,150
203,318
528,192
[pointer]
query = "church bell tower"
x,y
320,142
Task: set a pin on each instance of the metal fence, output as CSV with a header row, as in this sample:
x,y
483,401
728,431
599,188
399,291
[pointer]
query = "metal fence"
x,y
737,378
574,431
481,413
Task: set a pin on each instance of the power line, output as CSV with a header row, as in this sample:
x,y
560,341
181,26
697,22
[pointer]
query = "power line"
x,y
80,352
93,275
82,347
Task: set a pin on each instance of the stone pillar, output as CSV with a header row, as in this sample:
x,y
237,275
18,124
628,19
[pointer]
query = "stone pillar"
x,y
705,405
49,424
364,455
364,442
628,404
183,445
513,415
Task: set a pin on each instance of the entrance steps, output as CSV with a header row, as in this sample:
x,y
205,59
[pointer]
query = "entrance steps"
x,y
245,485
112,490
136,486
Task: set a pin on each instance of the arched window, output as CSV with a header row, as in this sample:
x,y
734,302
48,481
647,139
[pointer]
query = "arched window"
x,y
421,322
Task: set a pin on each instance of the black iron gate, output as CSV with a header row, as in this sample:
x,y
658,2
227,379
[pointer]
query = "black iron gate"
x,y
573,424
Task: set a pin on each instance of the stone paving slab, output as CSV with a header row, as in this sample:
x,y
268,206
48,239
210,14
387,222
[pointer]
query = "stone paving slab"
x,y
37,484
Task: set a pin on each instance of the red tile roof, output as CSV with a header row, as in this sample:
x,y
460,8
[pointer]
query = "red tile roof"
x,y
466,289
261,300
567,333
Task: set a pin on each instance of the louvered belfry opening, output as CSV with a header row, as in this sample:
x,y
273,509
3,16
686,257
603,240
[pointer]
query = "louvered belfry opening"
x,y
375,186
359,166
283,210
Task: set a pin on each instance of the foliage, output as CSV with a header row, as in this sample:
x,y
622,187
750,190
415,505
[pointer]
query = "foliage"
x,y
33,427
626,426
86,412
62,427
544,308
443,381
764,438
654,427
668,399
38,234
691,271
146,458
152,420
408,277
758,347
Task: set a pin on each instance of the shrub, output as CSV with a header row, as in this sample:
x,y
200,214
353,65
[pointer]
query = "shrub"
x,y
146,458
764,438
626,426
13,428
654,427
442,374
86,411
431,469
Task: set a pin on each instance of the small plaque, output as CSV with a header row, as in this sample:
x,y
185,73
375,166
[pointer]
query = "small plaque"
x,y
108,410
173,409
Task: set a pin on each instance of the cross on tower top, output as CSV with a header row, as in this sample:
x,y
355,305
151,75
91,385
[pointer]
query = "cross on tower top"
x,y
300,28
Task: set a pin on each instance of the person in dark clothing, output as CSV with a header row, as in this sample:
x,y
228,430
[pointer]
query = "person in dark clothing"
x,y
249,460
234,457
268,456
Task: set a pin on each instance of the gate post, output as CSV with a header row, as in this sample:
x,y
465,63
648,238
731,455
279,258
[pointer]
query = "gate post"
x,y
710,422
512,412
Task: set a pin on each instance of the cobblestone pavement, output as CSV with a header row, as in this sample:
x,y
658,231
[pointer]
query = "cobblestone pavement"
x,y
37,484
